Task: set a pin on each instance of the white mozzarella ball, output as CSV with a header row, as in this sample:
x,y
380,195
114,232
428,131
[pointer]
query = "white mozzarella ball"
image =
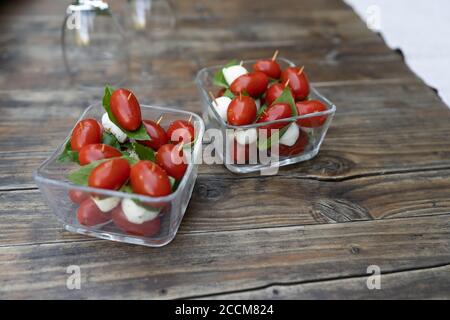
x,y
221,105
248,136
136,213
233,72
109,126
258,104
106,204
291,135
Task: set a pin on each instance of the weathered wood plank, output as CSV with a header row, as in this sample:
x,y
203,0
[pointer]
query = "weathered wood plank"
x,y
228,203
398,131
210,263
388,123
178,61
334,45
193,8
431,283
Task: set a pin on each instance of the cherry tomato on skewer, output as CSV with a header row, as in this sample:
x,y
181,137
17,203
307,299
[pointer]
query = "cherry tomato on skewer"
x,y
88,214
126,109
275,112
270,67
240,153
78,196
156,133
86,132
254,84
181,131
241,111
111,174
297,148
147,228
308,107
298,82
97,151
171,158
274,92
147,178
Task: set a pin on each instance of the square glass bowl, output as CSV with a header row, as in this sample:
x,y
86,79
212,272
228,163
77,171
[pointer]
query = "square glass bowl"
x,y
51,178
212,119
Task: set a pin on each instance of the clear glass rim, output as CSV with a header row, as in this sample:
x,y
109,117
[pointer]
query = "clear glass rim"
x,y
39,178
201,85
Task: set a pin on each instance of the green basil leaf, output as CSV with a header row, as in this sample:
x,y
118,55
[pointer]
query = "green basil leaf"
x,y
174,183
80,176
126,188
275,137
68,154
219,78
143,152
261,111
129,158
229,94
286,97
139,134
110,140
107,97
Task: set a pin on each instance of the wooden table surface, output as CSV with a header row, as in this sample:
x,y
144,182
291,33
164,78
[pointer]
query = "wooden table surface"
x,y
378,193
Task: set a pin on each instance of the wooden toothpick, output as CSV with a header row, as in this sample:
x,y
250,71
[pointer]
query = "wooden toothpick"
x,y
159,119
241,63
287,83
275,55
129,96
301,70
190,119
211,95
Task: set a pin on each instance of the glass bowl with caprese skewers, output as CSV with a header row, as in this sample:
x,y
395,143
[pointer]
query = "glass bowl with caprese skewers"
x,y
126,171
262,114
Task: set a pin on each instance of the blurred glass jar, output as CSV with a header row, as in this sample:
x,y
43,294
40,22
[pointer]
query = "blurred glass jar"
x,y
94,45
148,18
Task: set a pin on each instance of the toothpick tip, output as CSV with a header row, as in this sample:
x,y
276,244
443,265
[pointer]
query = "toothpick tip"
x,y
275,55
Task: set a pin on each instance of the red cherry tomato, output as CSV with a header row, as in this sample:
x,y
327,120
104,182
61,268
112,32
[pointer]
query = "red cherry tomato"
x,y
220,92
88,214
78,196
297,148
147,178
274,92
270,67
157,135
181,131
297,82
240,153
97,151
307,107
171,158
254,84
275,112
111,174
241,111
86,132
126,109
147,229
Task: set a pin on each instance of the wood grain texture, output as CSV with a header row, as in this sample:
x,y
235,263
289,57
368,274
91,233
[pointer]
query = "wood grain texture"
x,y
208,263
398,131
222,204
432,283
378,192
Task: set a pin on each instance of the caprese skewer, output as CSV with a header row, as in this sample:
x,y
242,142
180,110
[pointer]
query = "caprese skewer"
x,y
265,94
125,152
